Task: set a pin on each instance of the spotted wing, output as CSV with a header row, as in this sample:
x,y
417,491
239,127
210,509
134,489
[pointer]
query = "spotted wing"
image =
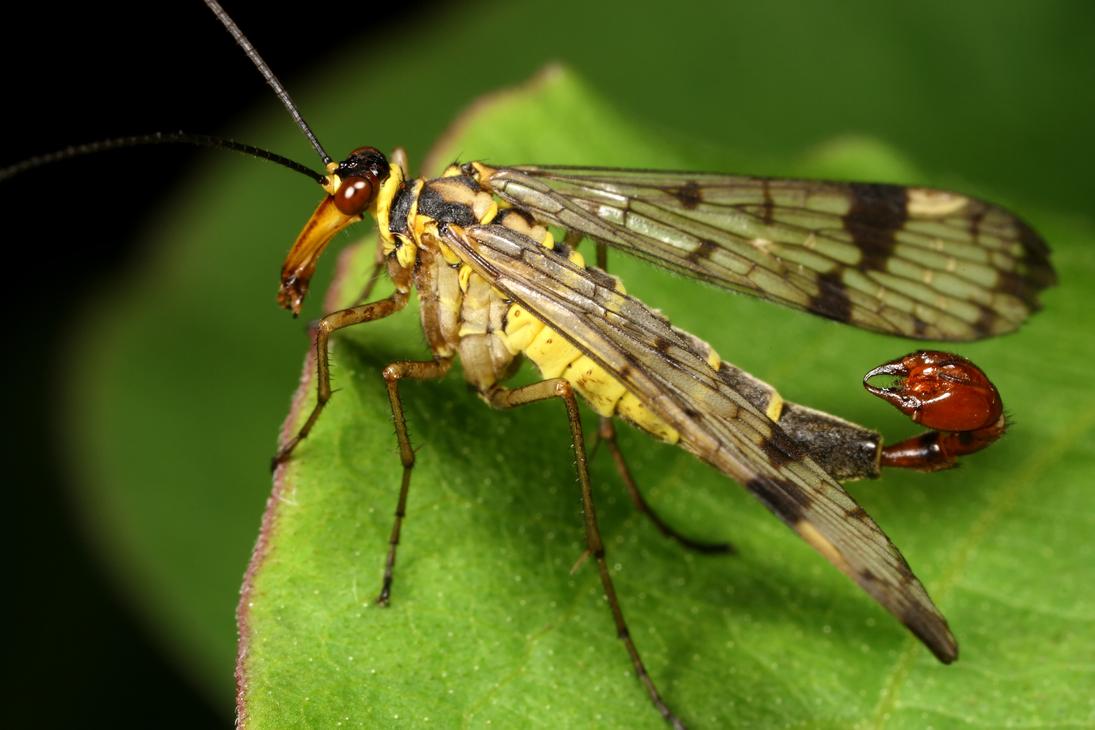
x,y
670,371
915,262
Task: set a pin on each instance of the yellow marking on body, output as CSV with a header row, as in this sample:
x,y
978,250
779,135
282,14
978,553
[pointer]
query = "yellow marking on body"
x,y
632,409
774,409
551,353
382,206
447,253
467,329
481,203
482,172
406,255
491,214
555,357
517,223
422,225
521,328
483,206
822,544
933,203
601,390
713,358
463,276
452,171
331,182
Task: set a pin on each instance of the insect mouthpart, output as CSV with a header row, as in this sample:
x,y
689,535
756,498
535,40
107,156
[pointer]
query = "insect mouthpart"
x,y
352,186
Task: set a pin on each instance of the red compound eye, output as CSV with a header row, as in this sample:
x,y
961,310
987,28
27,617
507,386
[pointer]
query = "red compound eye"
x,y
355,194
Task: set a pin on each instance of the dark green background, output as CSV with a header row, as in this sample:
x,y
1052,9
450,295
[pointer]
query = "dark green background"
x,y
986,94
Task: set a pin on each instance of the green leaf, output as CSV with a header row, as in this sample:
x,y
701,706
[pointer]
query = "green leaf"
x,y
488,624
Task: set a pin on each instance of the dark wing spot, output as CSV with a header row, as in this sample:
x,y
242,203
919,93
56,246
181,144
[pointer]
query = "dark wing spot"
x,y
768,211
975,224
1018,286
857,513
1035,257
832,299
986,323
703,251
690,195
785,499
876,214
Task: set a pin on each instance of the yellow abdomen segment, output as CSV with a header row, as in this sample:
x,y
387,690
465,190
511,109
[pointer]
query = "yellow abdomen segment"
x,y
555,357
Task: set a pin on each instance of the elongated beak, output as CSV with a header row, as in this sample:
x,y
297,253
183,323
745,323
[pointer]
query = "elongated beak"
x,y
300,264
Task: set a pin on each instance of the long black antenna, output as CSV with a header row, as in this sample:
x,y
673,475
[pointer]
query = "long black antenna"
x,y
201,140
271,79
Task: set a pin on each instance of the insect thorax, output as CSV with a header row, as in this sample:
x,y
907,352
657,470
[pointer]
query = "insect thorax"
x,y
464,315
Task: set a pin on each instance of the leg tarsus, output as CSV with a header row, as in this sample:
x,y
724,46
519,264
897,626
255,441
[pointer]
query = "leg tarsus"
x,y
606,434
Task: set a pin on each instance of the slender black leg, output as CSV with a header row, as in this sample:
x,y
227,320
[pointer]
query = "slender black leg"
x,y
559,388
393,373
606,434
336,321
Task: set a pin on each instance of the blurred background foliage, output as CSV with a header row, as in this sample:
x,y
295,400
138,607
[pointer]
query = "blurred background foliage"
x,y
166,484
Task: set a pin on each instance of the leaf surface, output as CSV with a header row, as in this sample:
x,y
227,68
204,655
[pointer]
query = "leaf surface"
x,y
488,625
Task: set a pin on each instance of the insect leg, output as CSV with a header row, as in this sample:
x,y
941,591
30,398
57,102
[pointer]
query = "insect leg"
x,y
374,276
558,388
606,434
393,373
336,321
602,256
